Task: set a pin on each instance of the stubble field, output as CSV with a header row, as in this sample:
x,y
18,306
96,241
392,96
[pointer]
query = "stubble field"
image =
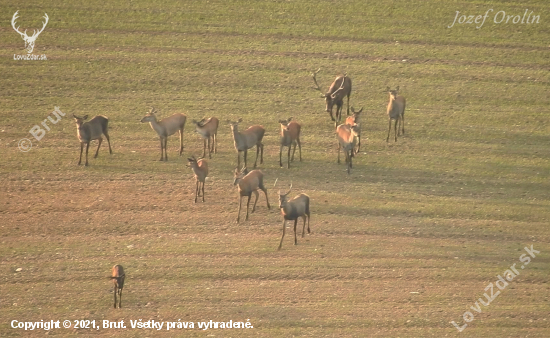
x,y
400,248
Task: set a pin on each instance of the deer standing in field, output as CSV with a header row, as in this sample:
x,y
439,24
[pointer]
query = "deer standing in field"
x,y
338,90
200,168
247,139
164,128
290,135
29,40
208,128
347,139
117,276
248,184
292,210
91,130
354,120
396,111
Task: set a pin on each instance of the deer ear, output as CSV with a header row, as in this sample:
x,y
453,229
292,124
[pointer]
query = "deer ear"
x,y
240,120
75,116
397,89
85,117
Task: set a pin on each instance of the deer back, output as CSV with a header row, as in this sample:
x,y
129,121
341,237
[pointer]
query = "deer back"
x,y
118,276
93,129
248,138
346,137
251,182
207,127
171,124
335,90
296,207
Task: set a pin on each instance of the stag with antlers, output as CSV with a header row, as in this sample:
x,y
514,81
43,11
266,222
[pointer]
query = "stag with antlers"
x,y
29,40
340,88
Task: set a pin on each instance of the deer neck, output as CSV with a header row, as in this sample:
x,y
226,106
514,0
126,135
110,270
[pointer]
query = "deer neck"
x,y
156,126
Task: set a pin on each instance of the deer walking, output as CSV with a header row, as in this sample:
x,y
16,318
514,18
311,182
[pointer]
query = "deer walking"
x,y
29,40
208,128
91,130
117,276
347,139
248,184
290,135
396,111
338,90
247,139
200,168
354,120
164,128
292,210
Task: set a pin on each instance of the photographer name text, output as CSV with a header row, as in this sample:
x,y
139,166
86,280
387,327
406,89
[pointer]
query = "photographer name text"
x,y
498,18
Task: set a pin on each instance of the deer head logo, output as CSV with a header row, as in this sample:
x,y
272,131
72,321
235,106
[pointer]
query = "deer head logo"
x,y
29,40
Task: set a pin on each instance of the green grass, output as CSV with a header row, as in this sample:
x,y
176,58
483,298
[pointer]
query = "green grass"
x,y
400,248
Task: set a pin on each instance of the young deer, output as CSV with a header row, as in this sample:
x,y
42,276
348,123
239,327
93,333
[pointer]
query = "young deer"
x,y
247,139
396,111
91,130
249,183
347,139
208,128
117,276
352,120
338,90
200,168
292,210
290,135
164,128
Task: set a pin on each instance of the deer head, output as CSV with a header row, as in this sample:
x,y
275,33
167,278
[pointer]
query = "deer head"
x,y
29,40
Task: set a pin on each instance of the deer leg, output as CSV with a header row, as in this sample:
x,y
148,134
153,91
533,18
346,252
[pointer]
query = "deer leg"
x,y
81,149
348,101
304,227
203,191
116,291
99,145
338,152
403,122
389,129
239,210
257,154
108,141
266,198
209,150
166,149
281,244
120,299
281,156
239,160
294,151
395,128
288,156
204,147
295,237
257,194
87,147
308,218
247,204
300,148
245,156
214,143
358,143
262,157
161,150
196,191
181,141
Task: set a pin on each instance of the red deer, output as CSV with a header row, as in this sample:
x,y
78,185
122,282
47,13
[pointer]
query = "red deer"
x,y
117,277
292,210
249,183
247,139
352,120
200,169
396,111
91,130
347,139
340,88
290,135
164,128
208,128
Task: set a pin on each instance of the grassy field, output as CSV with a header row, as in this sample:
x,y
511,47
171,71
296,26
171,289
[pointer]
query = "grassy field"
x,y
402,247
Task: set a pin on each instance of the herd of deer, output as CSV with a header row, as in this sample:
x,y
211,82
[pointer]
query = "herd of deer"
x,y
249,182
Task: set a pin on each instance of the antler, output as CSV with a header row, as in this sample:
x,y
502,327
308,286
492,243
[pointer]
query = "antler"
x,y
15,17
333,95
314,75
152,110
43,26
289,190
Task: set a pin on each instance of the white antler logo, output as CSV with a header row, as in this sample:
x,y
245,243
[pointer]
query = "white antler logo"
x,y
29,40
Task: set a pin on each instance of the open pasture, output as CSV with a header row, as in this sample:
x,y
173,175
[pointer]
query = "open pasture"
x,y
405,244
